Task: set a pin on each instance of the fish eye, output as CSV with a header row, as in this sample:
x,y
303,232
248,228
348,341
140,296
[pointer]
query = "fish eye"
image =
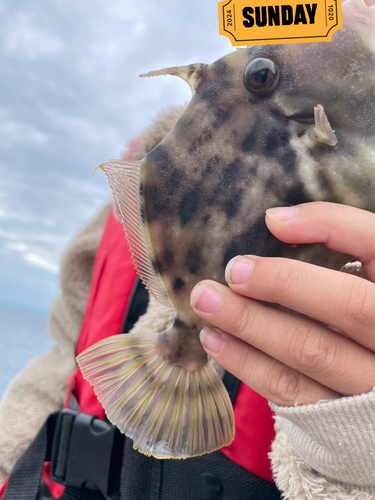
x,y
261,76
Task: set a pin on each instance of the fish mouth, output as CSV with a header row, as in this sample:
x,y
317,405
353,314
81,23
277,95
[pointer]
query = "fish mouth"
x,y
303,118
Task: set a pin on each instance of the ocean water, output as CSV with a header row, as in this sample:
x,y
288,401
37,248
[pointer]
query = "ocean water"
x,y
23,335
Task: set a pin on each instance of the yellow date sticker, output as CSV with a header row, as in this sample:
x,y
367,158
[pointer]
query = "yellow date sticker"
x,y
262,22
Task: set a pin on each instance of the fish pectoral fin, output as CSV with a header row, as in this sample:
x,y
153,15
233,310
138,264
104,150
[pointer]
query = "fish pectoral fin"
x,y
125,180
322,131
167,411
191,74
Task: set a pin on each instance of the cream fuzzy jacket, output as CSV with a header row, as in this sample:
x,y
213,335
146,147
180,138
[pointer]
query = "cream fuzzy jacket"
x,y
324,451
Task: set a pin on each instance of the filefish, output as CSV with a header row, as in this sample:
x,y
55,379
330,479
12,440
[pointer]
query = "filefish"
x,y
267,126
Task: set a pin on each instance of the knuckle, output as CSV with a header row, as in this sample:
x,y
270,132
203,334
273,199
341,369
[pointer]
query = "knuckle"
x,y
243,320
360,303
312,349
244,365
286,276
284,384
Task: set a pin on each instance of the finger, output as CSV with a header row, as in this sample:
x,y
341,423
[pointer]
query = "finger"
x,y
300,343
267,376
341,228
345,301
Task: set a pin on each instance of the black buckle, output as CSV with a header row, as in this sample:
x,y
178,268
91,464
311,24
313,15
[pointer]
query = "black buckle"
x,y
87,453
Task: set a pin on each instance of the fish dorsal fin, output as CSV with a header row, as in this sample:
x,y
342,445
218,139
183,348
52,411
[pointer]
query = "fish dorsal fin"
x,y
125,180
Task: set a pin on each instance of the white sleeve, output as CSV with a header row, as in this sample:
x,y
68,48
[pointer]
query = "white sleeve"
x,y
326,451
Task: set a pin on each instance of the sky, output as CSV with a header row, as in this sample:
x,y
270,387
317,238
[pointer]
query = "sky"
x,y
70,98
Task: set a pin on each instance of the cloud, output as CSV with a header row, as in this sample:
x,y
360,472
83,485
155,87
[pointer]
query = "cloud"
x,y
24,38
40,262
13,133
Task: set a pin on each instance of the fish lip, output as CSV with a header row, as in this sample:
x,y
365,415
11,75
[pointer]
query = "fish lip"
x,y
303,118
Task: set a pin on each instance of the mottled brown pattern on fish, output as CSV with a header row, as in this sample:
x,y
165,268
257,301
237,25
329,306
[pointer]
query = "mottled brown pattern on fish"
x,y
232,155
267,126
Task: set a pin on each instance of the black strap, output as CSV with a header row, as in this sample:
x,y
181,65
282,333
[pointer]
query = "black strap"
x,y
138,306
141,475
208,477
81,494
25,478
232,385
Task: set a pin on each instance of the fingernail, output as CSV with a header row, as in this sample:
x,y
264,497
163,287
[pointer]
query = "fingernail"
x,y
282,214
204,298
211,340
239,269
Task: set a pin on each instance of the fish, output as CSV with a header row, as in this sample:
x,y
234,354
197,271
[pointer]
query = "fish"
x,y
267,126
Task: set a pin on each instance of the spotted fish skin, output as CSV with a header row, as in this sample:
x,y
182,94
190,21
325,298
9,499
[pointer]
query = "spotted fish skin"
x,y
199,198
232,155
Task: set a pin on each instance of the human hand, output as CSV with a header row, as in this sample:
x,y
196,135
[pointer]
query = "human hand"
x,y
287,358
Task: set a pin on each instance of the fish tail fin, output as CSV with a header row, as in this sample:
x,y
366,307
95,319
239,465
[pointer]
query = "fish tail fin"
x,y
167,411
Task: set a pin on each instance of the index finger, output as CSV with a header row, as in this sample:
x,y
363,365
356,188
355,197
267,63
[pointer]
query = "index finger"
x,y
341,228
